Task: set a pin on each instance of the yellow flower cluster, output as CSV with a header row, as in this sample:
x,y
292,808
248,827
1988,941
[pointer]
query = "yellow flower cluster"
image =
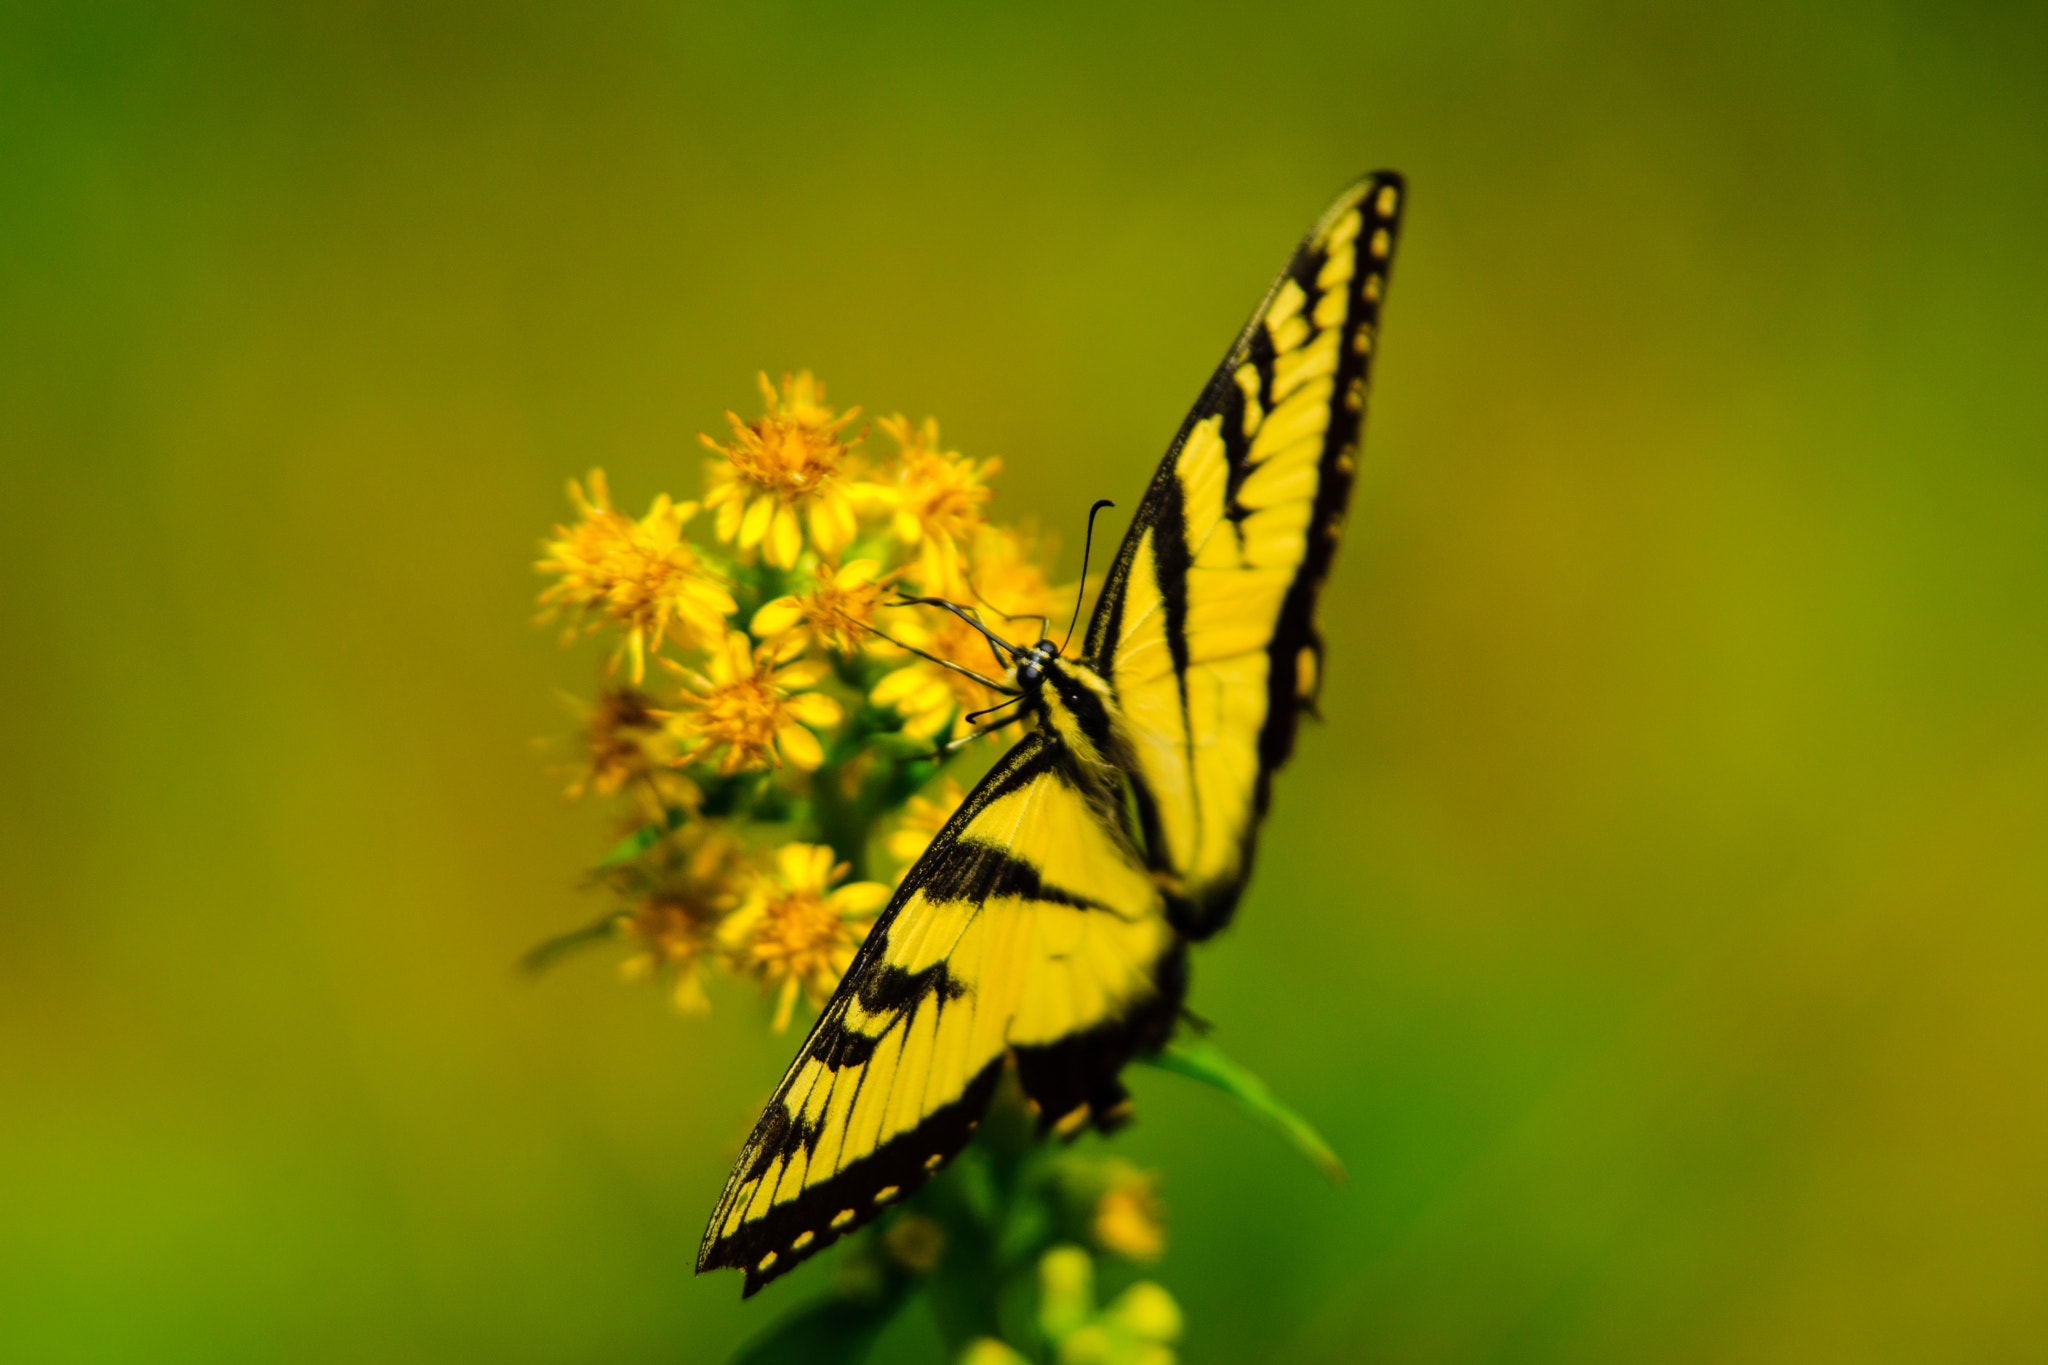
x,y
797,930
782,672
642,575
749,707
788,919
784,461
1129,1218
1138,1327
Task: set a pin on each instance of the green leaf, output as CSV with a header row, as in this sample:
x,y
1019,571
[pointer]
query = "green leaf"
x,y
545,955
832,1331
638,842
1201,1060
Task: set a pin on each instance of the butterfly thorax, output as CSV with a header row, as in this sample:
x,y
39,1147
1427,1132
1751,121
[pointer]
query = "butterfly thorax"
x,y
1075,705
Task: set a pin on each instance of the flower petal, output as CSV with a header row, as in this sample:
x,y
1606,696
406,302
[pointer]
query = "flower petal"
x,y
808,673
800,748
895,687
779,651
814,708
731,506
777,616
857,573
828,531
792,862
785,539
857,900
755,524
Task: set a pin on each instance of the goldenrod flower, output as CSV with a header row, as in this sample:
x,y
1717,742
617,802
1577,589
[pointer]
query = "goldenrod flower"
x,y
935,501
795,931
748,709
683,887
916,1243
641,574
923,817
989,1351
924,693
787,459
627,747
1129,1218
1139,1326
836,612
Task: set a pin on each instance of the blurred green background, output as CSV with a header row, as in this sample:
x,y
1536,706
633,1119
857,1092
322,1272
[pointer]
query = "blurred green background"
x,y
1656,925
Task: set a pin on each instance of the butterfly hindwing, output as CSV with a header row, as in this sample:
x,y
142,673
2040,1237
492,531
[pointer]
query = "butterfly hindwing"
x,y
1205,626
1028,928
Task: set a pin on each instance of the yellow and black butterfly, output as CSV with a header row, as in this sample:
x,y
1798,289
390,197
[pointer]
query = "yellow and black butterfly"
x,y
1046,926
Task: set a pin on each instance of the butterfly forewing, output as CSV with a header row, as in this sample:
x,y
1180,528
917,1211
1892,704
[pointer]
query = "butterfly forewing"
x,y
1205,626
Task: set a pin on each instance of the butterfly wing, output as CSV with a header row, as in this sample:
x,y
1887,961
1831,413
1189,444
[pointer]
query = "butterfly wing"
x,y
1205,626
1028,928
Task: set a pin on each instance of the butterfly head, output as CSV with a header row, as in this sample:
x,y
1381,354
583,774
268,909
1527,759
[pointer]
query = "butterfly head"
x,y
1032,663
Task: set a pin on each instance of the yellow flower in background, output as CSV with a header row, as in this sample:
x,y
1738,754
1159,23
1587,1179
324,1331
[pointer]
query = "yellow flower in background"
x,y
640,574
627,747
1129,1218
1005,578
782,463
836,613
935,501
923,818
796,931
916,1243
683,888
748,709
1017,602
1139,1326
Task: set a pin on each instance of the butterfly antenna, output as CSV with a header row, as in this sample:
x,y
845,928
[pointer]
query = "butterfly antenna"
x,y
960,612
989,683
1086,545
1007,616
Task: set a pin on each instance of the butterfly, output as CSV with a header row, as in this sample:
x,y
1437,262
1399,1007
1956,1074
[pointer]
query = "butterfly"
x,y
1046,926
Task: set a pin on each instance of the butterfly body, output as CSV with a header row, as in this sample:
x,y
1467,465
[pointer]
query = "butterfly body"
x,y
1046,926
1076,708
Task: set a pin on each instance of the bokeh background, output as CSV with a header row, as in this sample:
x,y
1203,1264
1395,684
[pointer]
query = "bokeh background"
x,y
1656,925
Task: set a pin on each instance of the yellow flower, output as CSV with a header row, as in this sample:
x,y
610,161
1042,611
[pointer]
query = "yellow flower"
x,y
923,817
748,709
1138,1328
989,1351
1129,1218
835,613
935,501
796,932
682,888
1015,591
915,1242
641,574
628,748
787,459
